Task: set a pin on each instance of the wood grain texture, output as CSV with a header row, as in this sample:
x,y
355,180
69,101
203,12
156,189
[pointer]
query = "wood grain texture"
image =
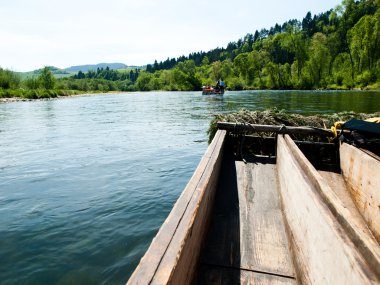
x,y
351,219
247,232
241,127
339,187
222,244
324,252
361,173
175,235
181,259
213,275
263,241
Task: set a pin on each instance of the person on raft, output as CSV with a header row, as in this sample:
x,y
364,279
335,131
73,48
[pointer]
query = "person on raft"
x,y
222,84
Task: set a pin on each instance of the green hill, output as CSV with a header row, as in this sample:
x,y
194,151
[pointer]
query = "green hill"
x,y
57,72
72,70
88,67
94,67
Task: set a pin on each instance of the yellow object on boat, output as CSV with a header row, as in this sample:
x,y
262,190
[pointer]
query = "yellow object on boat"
x,y
339,124
374,120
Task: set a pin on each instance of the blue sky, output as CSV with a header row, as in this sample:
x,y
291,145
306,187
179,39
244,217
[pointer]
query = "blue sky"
x,y
35,33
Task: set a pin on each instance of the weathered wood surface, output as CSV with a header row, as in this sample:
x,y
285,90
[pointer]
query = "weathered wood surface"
x,y
222,244
324,250
263,241
362,175
351,219
247,242
173,254
229,276
339,187
240,127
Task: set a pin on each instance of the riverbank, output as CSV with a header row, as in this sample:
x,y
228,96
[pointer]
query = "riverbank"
x,y
14,95
37,93
63,94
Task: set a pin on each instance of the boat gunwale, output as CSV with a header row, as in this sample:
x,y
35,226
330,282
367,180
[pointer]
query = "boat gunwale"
x,y
168,244
364,246
358,167
163,262
279,129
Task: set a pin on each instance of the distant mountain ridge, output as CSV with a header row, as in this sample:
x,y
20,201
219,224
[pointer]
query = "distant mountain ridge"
x,y
64,72
88,67
57,72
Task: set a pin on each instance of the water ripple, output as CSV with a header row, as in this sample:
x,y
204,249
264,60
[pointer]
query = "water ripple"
x,y
86,182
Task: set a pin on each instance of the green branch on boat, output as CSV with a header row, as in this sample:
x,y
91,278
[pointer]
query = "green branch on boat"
x,y
280,117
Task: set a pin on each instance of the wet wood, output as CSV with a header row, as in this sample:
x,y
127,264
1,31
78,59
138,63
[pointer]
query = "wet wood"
x,y
239,128
361,173
183,230
323,249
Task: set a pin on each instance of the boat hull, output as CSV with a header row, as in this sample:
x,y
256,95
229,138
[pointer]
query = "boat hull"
x,y
244,218
361,171
172,257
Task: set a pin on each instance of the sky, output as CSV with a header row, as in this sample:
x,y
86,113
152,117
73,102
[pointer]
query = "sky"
x,y
64,33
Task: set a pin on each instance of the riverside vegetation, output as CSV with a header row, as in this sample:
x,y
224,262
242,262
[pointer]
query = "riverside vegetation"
x,y
337,49
43,86
280,117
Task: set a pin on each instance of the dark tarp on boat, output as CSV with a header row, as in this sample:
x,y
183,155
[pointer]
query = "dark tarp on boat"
x,y
363,134
362,126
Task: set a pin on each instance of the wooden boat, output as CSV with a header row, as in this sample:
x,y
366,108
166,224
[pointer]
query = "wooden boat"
x,y
209,90
281,216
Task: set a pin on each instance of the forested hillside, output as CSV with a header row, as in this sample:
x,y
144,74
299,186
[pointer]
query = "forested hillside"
x,y
337,49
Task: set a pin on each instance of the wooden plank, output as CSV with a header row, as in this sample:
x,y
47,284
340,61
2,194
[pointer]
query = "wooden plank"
x,y
179,263
213,275
361,173
240,127
222,244
324,252
336,198
263,241
338,185
248,231
354,222
149,264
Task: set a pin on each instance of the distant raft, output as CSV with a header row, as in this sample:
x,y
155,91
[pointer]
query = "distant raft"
x,y
210,90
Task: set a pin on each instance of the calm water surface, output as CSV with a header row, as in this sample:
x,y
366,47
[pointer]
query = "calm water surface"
x,y
86,182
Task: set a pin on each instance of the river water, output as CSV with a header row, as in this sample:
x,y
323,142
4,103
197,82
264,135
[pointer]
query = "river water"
x,y
85,182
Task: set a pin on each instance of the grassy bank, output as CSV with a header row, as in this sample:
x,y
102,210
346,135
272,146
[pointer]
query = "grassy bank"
x,y
280,117
37,93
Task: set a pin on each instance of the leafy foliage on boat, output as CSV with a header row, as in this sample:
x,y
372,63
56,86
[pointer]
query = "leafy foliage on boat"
x,y
280,117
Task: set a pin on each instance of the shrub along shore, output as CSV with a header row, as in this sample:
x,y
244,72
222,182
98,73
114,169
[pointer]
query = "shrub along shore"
x,y
29,94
